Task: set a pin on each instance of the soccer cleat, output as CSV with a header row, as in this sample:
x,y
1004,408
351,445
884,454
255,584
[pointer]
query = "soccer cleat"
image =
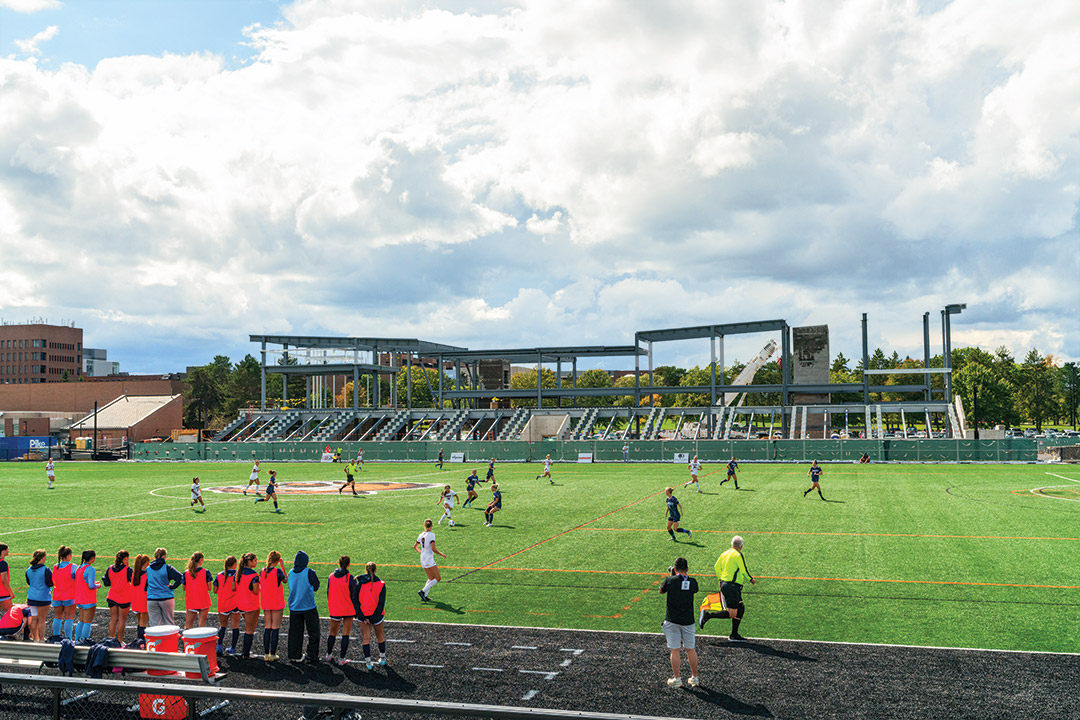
x,y
368,664
736,637
702,619
701,491
382,661
343,662
245,492
672,538
674,682
693,681
423,597
230,651
689,535
329,657
266,657
356,494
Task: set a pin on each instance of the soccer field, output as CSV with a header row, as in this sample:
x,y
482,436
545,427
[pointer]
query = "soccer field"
x,y
944,555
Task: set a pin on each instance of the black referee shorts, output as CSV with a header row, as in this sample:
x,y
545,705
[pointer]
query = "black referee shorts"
x,y
730,595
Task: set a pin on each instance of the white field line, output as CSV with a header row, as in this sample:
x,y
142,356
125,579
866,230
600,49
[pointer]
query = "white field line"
x,y
115,517
1036,491
530,695
1063,478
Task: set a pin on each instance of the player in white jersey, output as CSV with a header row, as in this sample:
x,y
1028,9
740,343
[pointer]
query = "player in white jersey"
x,y
425,545
695,468
196,493
360,458
50,473
547,470
253,478
447,498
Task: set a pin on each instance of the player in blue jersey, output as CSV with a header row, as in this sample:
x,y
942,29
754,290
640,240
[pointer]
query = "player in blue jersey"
x,y
815,476
470,486
674,514
271,491
494,506
440,459
491,471
732,466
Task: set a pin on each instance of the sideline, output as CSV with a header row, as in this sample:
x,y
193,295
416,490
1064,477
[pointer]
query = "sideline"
x,y
110,519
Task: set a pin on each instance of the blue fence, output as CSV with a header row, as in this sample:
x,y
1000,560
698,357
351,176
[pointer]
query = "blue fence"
x,y
19,447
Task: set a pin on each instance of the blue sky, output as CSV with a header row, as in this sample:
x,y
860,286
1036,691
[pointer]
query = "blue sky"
x,y
510,173
91,31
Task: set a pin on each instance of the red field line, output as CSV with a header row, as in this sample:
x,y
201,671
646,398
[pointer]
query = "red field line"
x,y
154,520
846,534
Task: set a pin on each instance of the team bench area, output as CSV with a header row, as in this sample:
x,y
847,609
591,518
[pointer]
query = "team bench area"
x,y
26,654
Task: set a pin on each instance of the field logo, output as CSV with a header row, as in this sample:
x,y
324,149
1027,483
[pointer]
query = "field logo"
x,y
325,487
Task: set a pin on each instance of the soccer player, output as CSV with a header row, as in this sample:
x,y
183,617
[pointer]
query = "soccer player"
x,y
350,468
494,506
39,588
197,582
63,594
491,471
340,591
228,613
865,459
625,451
547,470
50,473
118,580
425,545
5,580
815,476
271,491
732,466
470,485
272,600
139,603
371,600
360,458
86,587
196,493
731,572
674,514
253,478
246,586
695,468
447,498
440,459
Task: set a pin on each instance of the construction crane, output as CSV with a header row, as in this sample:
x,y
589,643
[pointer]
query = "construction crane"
x,y
747,375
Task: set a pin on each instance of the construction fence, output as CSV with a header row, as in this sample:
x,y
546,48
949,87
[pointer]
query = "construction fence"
x,y
1007,450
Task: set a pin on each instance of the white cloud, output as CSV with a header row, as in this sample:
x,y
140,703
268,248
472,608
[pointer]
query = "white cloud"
x,y
30,45
31,6
548,171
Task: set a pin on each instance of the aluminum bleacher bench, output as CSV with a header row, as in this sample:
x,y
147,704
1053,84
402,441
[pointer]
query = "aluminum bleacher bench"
x,y
26,654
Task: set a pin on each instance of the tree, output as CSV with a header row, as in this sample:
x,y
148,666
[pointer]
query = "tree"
x,y
1035,393
527,381
694,376
977,374
594,378
203,397
425,392
626,381
244,387
1070,382
668,375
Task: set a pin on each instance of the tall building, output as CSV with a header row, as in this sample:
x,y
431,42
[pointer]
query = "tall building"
x,y
96,363
39,353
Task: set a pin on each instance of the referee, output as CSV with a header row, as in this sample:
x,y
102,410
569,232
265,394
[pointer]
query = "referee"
x,y
731,572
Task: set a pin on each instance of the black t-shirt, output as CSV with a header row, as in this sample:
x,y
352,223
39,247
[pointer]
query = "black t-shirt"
x,y
680,598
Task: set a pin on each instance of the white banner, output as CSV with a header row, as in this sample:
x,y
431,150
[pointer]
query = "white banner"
x,y
457,457
584,457
683,458
328,457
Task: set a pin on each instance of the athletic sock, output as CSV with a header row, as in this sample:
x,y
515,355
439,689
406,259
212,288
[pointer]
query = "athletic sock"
x,y
671,533
382,649
684,530
57,625
274,635
807,490
249,640
78,631
266,641
140,634
221,635
429,584
735,625
820,495
344,646
68,625
275,505
330,644
235,637
366,648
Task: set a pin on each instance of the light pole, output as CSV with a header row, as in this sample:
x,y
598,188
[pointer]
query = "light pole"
x,y
946,341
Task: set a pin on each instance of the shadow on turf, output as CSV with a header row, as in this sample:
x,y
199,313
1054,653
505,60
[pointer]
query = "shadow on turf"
x,y
728,703
770,651
323,675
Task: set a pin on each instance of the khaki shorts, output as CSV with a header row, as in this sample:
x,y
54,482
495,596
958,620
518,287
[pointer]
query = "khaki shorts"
x,y
679,635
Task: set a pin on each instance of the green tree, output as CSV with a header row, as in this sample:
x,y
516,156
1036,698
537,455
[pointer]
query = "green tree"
x,y
423,396
594,378
668,375
203,397
626,381
1070,382
694,376
244,386
1036,398
527,381
977,373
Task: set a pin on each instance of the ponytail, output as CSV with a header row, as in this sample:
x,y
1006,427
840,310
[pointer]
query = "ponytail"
x,y
120,557
370,569
273,558
193,563
141,561
62,553
87,556
344,561
37,557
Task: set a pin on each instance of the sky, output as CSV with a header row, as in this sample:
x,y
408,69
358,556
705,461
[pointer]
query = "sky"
x,y
175,176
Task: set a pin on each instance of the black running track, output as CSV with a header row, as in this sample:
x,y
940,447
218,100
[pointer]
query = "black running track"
x,y
627,672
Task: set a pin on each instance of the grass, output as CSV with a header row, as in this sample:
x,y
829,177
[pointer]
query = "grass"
x,y
950,555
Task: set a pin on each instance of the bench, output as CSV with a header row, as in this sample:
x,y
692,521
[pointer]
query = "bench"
x,y
14,652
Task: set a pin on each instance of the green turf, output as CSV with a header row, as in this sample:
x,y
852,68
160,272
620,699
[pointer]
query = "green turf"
x,y
590,551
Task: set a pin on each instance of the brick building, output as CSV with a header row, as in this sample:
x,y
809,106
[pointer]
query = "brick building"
x,y
35,353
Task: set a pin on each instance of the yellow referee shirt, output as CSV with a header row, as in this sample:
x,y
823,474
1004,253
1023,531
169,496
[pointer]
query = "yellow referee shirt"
x,y
731,567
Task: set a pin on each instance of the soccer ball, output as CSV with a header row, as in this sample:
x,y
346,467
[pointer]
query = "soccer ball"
x,y
451,523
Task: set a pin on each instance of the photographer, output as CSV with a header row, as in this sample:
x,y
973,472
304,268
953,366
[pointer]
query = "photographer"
x,y
679,621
